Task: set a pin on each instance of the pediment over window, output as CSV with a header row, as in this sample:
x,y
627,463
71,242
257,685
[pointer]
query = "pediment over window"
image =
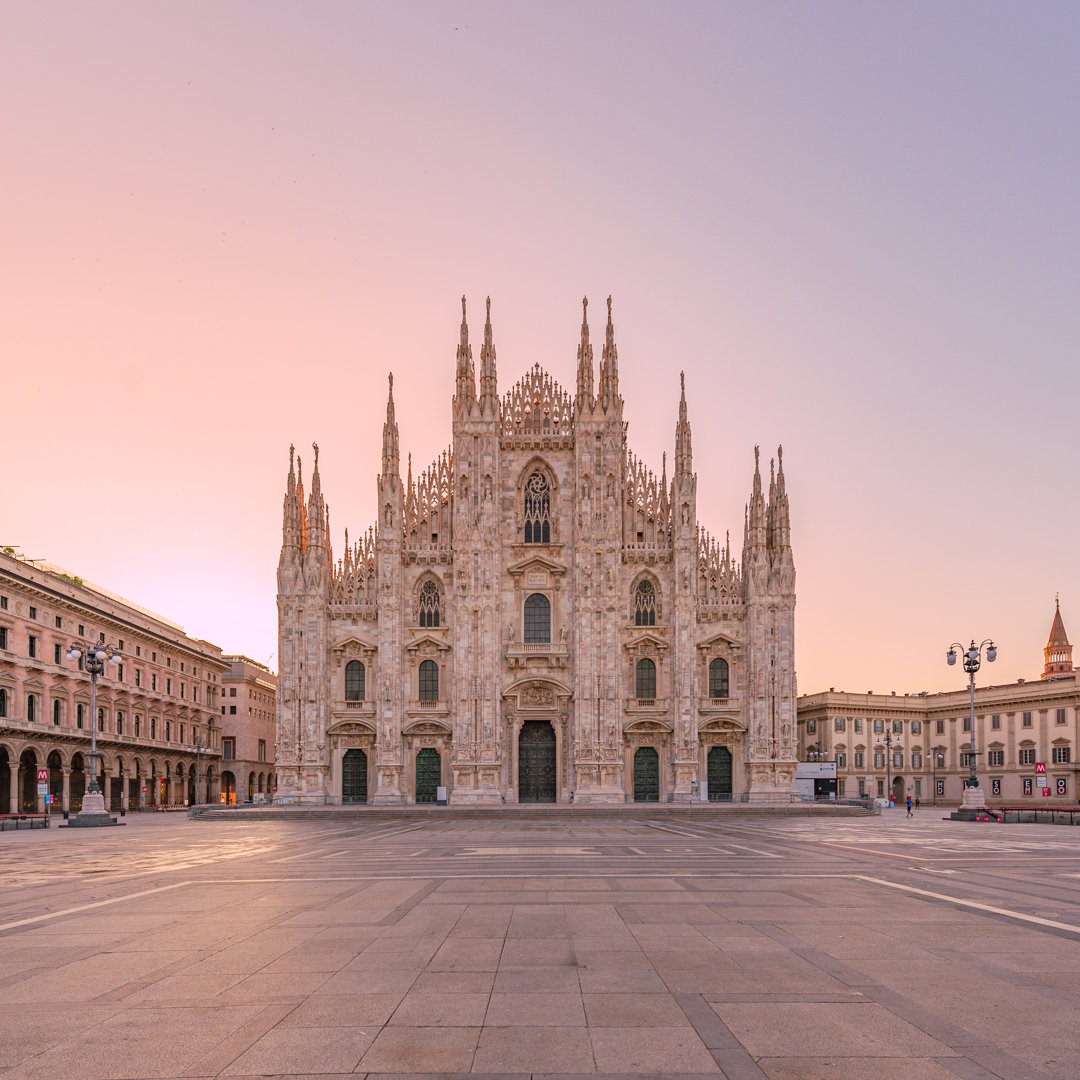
x,y
536,563
720,641
647,727
353,645
427,726
647,639
427,642
722,724
351,727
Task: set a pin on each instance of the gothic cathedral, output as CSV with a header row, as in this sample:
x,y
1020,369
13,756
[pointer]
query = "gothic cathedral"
x,y
536,617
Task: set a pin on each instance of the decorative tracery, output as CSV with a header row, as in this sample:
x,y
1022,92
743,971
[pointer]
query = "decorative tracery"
x,y
645,604
429,604
537,509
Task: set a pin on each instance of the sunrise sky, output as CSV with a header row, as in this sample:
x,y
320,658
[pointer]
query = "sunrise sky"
x,y
855,226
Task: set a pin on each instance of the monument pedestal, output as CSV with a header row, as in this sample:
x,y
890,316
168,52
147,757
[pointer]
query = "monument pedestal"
x,y
972,807
92,814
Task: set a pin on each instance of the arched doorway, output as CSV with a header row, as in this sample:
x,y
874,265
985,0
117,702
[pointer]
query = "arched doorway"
x,y
76,783
28,787
428,774
536,762
5,782
56,781
646,774
228,788
718,774
898,789
354,776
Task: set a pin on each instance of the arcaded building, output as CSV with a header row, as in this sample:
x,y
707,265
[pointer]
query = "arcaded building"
x,y
1027,736
158,736
537,616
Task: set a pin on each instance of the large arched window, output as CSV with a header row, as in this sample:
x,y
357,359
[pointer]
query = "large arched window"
x,y
537,510
645,604
537,618
354,681
429,681
718,678
645,679
429,604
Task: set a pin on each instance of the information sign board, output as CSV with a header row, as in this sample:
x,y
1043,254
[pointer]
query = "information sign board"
x,y
43,789
1046,793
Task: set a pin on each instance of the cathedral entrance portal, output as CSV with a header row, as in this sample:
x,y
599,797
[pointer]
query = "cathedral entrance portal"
x,y
719,774
428,774
646,775
354,777
536,762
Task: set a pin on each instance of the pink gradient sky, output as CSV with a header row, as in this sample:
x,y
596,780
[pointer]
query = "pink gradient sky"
x,y
854,225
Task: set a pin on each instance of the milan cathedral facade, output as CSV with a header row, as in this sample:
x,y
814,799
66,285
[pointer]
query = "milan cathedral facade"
x,y
537,617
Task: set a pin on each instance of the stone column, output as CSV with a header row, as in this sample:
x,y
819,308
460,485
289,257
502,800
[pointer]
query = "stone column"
x,y
106,791
67,790
123,792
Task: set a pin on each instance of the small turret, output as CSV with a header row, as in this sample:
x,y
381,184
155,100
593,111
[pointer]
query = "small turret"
x,y
465,393
684,457
489,393
609,367
391,457
584,362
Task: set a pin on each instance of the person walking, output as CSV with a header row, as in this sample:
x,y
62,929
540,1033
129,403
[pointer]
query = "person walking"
x,y
916,802
909,806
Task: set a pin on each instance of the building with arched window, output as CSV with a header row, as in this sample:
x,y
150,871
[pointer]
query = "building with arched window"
x,y
537,616
158,714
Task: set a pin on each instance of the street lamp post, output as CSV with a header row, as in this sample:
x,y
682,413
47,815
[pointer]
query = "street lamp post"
x,y
95,658
973,796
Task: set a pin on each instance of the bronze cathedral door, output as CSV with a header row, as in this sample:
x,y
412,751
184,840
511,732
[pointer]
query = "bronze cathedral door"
x,y
536,762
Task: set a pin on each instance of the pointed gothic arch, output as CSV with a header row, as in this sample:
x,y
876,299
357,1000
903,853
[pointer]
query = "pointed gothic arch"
x,y
645,601
429,601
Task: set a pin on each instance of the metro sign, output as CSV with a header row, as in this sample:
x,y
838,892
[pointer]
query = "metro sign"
x,y
1040,768
43,776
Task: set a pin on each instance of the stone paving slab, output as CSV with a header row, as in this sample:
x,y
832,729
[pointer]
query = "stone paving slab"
x,y
867,949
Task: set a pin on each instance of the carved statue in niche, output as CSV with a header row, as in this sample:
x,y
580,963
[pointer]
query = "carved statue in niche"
x,y
510,633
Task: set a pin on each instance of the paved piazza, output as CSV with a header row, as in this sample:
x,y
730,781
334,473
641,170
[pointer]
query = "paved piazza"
x,y
876,949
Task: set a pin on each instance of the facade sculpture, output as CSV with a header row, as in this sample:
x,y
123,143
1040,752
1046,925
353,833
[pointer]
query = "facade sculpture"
x,y
536,617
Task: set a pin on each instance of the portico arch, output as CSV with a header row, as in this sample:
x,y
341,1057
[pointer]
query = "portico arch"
x,y
537,752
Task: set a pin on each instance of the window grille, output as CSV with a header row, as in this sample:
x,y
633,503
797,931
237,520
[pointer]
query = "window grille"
x,y
718,678
645,680
429,681
354,681
537,618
